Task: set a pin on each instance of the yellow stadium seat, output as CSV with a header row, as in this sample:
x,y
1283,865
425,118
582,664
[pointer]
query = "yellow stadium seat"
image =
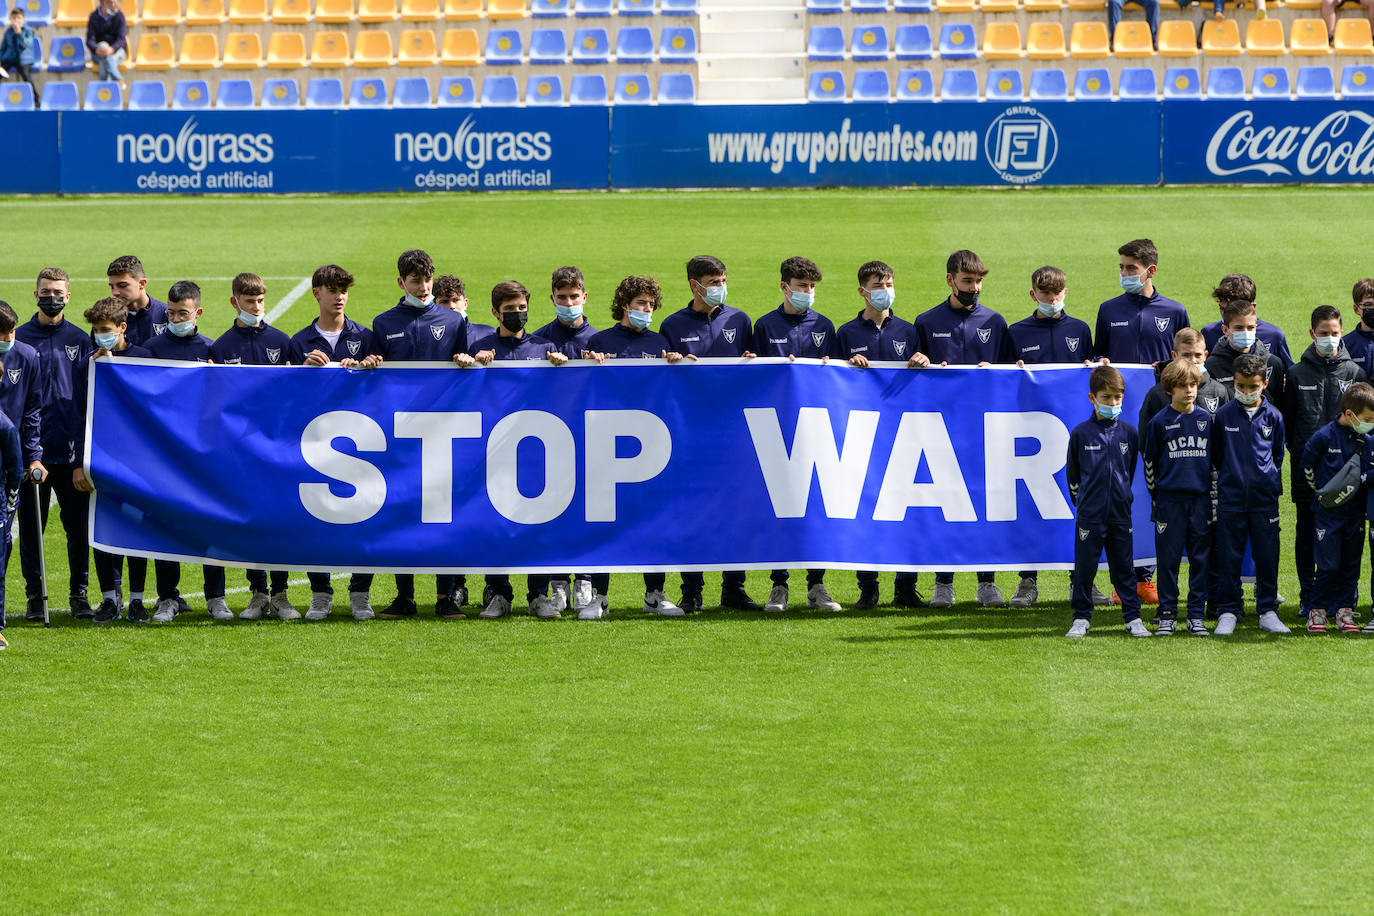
x,y
460,48
954,6
155,52
506,9
199,51
334,11
161,12
243,51
130,11
1177,38
417,49
376,10
72,14
1352,37
290,12
1045,41
1087,6
462,10
1264,38
286,51
248,12
329,51
373,49
1002,41
1089,40
1304,4
1133,40
1308,38
1044,6
1220,39
204,12
421,11
997,6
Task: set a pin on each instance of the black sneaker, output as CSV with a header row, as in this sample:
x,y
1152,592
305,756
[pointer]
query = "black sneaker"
x,y
136,613
868,599
398,609
108,612
907,598
460,595
34,612
81,608
446,607
691,602
736,599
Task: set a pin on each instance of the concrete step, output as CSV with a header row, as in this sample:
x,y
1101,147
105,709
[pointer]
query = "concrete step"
x,y
750,42
750,91
751,66
751,20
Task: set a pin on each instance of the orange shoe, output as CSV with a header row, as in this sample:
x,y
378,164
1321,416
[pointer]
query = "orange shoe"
x,y
1147,592
1116,599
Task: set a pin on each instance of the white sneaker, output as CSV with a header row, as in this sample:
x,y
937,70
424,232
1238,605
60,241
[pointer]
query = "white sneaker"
x,y
654,602
544,608
944,595
559,595
1226,625
321,604
1137,628
1027,593
218,608
582,595
166,611
777,600
257,606
1079,629
499,607
283,608
818,597
595,608
1099,599
1269,622
989,595
361,606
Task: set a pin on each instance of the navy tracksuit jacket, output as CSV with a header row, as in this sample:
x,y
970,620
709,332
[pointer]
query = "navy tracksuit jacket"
x,y
895,340
569,341
1132,328
354,342
21,397
1247,452
1063,339
808,335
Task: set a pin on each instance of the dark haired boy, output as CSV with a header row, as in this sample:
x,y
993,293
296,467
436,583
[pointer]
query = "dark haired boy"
x,y
451,293
1239,287
570,330
1359,343
1238,323
1139,325
147,317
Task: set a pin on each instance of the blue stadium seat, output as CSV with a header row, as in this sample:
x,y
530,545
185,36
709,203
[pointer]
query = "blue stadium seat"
x,y
324,92
677,44
872,86
957,41
544,90
634,7
913,42
367,92
589,9
826,86
1137,83
825,42
959,86
191,95
869,42
1270,83
1004,85
550,9
677,8
59,97
915,86
632,89
1357,82
16,97
281,92
409,92
824,7
37,13
912,6
1316,82
1225,83
634,45
504,47
67,55
1049,84
676,89
147,95
587,89
591,46
868,6
455,92
548,46
1092,83
103,95
1182,83
230,93
500,91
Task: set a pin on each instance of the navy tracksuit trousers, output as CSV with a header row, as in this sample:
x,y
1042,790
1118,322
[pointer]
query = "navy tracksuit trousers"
x,y
1089,541
1260,528
1182,524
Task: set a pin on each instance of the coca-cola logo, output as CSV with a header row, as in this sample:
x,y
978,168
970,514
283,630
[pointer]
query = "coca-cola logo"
x,y
1342,143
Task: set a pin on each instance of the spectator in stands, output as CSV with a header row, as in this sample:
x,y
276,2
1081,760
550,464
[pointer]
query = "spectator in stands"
x,y
106,39
16,48
1329,15
1151,14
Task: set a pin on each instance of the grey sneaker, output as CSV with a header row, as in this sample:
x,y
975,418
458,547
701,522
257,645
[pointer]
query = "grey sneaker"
x,y
1269,622
544,608
989,595
361,606
218,608
167,610
777,600
594,608
499,607
1099,599
282,607
655,603
1079,629
1027,593
560,596
257,606
944,595
1137,628
582,595
321,604
818,597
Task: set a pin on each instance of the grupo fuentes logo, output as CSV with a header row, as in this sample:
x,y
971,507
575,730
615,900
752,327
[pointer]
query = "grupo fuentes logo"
x,y
193,149
1021,145
1342,143
473,149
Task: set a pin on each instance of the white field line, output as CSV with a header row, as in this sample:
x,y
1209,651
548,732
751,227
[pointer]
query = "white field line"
x,y
288,300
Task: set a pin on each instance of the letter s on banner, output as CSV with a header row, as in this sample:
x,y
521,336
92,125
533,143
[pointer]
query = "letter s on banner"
x,y
317,448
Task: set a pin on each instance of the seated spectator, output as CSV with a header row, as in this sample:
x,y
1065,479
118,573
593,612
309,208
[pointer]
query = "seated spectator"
x,y
1151,8
107,40
16,48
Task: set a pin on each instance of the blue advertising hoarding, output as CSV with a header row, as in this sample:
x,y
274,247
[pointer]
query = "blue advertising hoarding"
x,y
34,140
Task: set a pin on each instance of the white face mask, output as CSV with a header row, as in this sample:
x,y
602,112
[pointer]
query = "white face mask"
x,y
1248,399
415,302
250,319
1049,309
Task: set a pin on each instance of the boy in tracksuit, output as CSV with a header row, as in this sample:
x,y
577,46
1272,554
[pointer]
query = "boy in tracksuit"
x,y
1339,548
1100,467
1359,343
12,467
1247,452
963,331
147,317
1211,394
451,293
795,330
1235,287
570,330
61,346
1239,336
20,399
1175,446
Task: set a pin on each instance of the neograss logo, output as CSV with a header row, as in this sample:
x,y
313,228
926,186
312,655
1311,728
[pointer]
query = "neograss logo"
x,y
474,149
193,149
1021,145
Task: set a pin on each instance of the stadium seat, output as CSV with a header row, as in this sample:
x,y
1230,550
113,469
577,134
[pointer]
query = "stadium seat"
x,y
1137,83
16,97
500,91
102,95
1308,38
38,13
912,6
367,92
373,49
1264,38
242,51
946,7
334,12
281,92
328,51
868,42
421,11
676,89
1088,40
1002,41
72,14
1049,85
1225,83
548,46
998,6
587,89
1045,41
1004,85
677,44
375,12
544,90
550,9
190,95
456,91
1270,83
462,10
591,9
324,92
591,46
1092,83
1043,6
289,12
1221,39
959,85
234,94
677,7
872,86
203,13
1357,81
248,12
505,9
504,46
1177,38
58,97
417,49
913,42
957,41
825,86
634,45
1133,39
460,48
155,52
868,7
199,51
1353,37
915,86
635,7
1087,6
1315,82
286,51
147,95
410,92
825,42
1182,83
632,89
66,54
161,13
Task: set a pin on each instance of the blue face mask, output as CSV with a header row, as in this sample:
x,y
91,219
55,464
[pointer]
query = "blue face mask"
x,y
1327,346
802,302
568,313
417,303
181,328
107,341
1133,283
1109,412
640,320
5,346
714,296
1049,309
1243,340
882,299
251,320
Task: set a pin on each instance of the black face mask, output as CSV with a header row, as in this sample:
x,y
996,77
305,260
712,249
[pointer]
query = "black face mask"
x,y
966,299
514,321
51,305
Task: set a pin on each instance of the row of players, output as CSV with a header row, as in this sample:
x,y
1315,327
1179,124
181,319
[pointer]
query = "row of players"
x,y
46,367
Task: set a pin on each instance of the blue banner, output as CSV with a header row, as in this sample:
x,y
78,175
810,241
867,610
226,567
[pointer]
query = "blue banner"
x,y
726,464
32,166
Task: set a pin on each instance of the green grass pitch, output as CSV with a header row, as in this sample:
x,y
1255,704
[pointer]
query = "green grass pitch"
x,y
959,761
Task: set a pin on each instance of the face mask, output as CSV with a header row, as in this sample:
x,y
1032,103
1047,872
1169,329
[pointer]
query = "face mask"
x,y
1049,309
1326,346
5,346
1364,428
568,312
251,320
714,295
966,299
1243,340
51,305
1109,412
107,341
181,328
882,299
514,321
802,302
640,320
1133,283
415,303
1248,399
